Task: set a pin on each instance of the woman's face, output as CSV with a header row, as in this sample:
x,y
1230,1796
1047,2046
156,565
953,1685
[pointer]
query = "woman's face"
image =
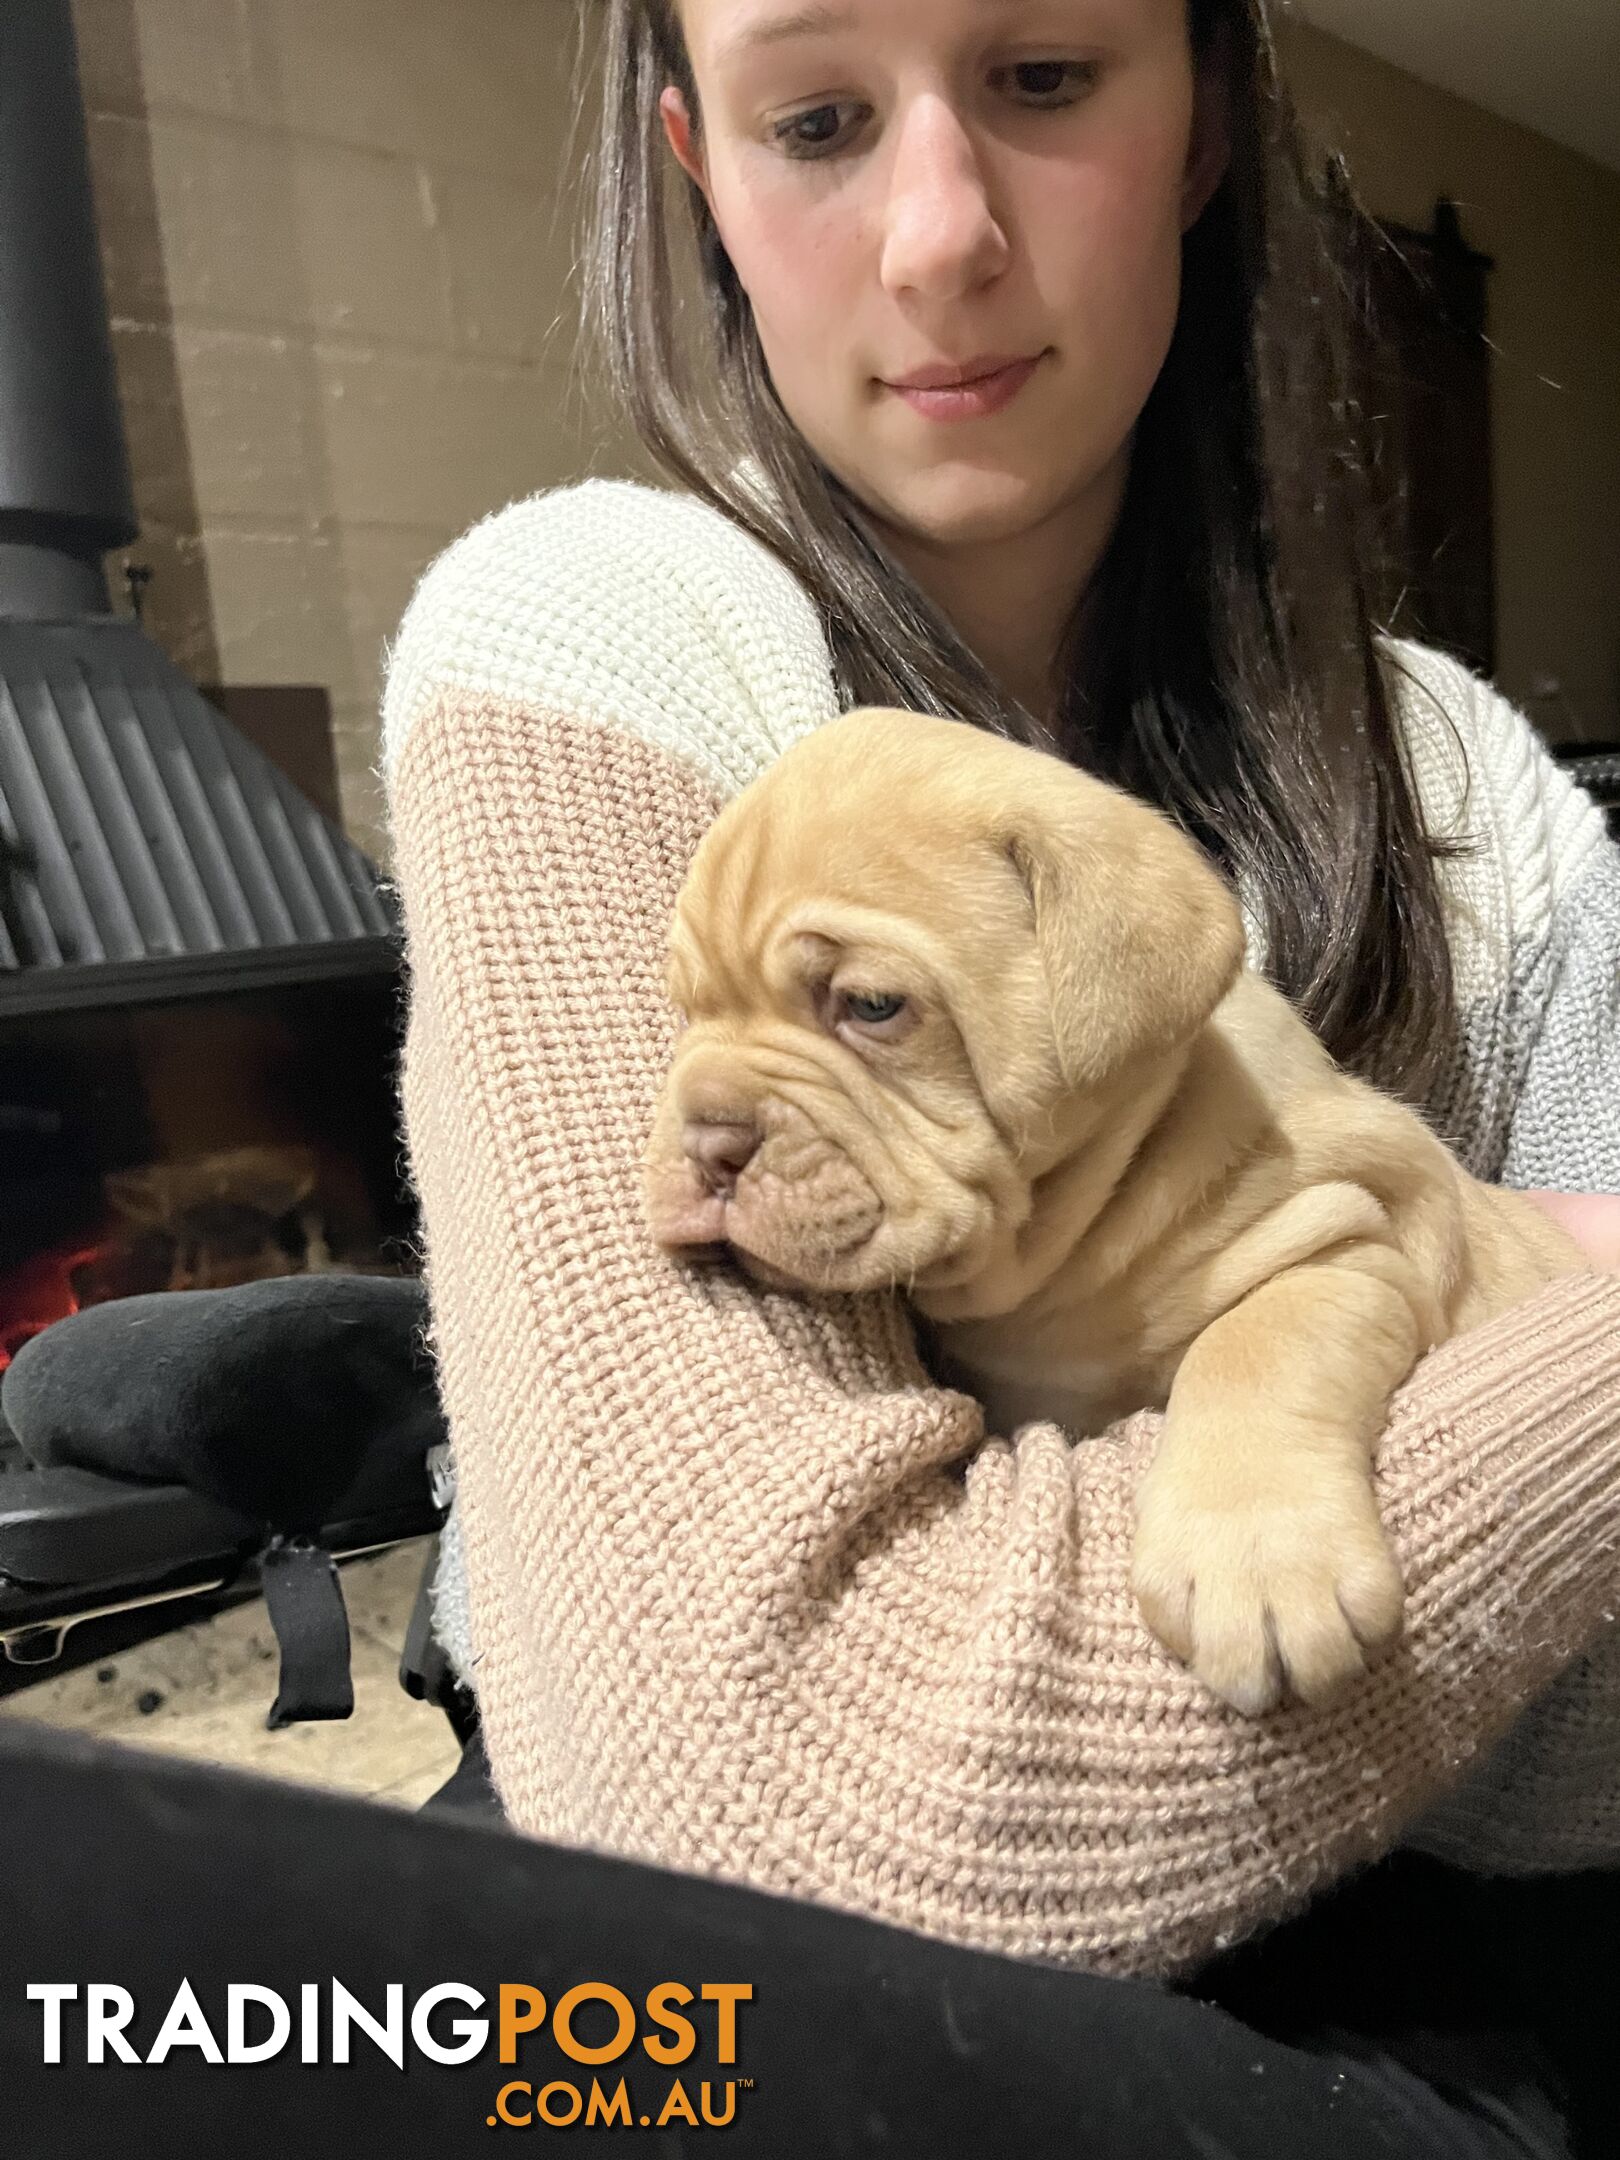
x,y
923,187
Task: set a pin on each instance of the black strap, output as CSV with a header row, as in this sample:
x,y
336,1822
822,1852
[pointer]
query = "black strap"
x,y
305,1602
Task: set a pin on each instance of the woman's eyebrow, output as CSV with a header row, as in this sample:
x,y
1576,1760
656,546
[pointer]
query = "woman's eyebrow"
x,y
819,18
815,20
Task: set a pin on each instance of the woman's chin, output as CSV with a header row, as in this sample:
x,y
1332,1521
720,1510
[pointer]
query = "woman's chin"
x,y
959,504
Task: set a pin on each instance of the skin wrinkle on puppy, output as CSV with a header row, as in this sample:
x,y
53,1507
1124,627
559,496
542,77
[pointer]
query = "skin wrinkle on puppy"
x,y
1238,1232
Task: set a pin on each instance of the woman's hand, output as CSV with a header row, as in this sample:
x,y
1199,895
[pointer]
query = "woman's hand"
x,y
1592,1220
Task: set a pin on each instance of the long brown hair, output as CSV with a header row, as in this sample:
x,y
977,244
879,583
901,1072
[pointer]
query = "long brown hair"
x,y
1226,662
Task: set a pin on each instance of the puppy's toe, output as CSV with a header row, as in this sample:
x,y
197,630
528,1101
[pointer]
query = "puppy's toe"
x,y
1343,1602
1372,1595
1316,1646
1165,1598
1236,1653
1209,1615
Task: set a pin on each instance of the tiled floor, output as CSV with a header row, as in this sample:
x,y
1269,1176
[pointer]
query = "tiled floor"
x,y
206,1690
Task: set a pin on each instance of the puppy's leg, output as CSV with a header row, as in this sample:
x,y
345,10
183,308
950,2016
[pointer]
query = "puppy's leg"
x,y
1259,1556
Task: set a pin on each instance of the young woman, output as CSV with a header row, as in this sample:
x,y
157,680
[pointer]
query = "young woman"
x,y
992,346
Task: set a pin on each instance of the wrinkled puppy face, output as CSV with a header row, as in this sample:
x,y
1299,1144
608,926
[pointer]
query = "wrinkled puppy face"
x,y
912,959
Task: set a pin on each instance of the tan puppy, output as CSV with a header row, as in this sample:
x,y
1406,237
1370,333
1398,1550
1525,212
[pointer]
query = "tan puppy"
x,y
966,1019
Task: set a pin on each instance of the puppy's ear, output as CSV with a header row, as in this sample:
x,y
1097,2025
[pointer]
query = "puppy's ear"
x,y
1138,935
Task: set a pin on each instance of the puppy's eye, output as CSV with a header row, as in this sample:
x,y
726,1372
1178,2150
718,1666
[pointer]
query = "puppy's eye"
x,y
873,1010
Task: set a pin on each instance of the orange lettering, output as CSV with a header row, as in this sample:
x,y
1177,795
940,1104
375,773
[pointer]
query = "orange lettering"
x,y
512,2024
518,2122
658,2001
562,2022
728,1994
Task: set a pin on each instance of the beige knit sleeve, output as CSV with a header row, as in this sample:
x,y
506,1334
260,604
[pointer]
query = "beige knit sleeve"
x,y
751,1597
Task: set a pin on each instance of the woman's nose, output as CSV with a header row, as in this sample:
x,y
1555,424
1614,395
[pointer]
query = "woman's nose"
x,y
942,237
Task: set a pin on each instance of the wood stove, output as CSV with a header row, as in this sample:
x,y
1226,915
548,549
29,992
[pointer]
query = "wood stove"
x,y
198,970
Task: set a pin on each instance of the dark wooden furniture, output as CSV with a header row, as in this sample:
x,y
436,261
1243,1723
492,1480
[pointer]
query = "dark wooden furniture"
x,y
1427,397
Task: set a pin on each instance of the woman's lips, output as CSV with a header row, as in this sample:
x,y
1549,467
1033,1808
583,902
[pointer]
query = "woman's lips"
x,y
972,400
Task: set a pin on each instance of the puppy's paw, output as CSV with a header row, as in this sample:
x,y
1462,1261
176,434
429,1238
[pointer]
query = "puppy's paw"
x,y
1267,1593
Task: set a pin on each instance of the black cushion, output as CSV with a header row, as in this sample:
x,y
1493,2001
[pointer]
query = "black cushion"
x,y
296,1400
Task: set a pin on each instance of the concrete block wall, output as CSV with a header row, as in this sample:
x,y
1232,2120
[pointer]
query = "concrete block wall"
x,y
338,237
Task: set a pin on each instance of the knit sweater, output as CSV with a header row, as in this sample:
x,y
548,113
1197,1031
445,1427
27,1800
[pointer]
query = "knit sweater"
x,y
740,1589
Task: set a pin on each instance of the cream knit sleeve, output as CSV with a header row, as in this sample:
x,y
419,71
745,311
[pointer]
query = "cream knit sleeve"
x,y
750,1596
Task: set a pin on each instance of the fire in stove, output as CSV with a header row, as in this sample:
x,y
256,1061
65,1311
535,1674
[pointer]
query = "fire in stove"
x,y
237,1216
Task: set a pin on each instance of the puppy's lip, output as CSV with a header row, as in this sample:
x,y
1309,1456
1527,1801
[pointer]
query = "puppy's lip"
x,y
774,1278
762,1271
689,1219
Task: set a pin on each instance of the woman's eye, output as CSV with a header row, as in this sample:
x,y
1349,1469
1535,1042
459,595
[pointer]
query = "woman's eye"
x,y
872,1010
1050,82
815,131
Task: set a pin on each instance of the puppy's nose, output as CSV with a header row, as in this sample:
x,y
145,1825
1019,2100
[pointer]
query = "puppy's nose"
x,y
721,1152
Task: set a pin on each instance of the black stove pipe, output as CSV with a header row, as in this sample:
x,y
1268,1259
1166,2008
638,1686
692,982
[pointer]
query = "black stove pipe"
x,y
65,495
